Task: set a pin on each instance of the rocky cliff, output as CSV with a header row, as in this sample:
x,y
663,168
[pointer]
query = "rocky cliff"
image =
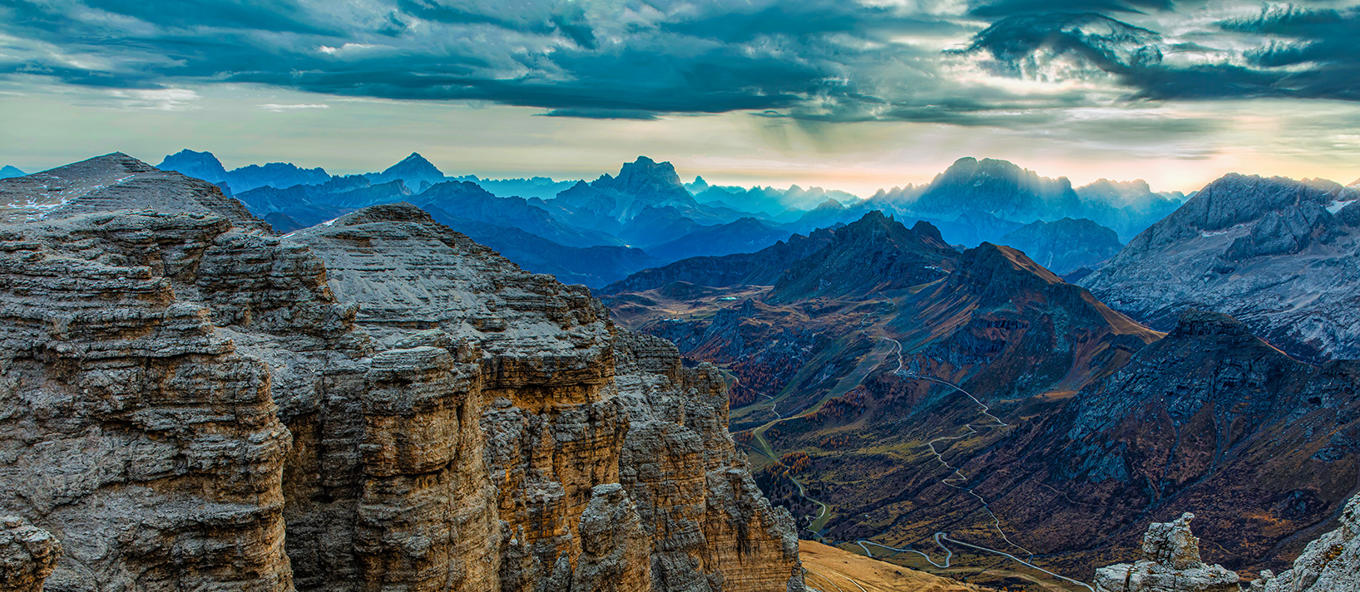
x,y
377,403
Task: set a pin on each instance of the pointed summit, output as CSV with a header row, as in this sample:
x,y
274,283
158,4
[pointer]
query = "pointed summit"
x,y
412,170
10,171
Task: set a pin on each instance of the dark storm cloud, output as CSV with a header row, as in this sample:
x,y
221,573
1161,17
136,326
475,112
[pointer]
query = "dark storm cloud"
x,y
819,60
1322,46
1003,8
1324,42
1104,42
814,18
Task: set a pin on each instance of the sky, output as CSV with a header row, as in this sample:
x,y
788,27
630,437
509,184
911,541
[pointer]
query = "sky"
x,y
845,94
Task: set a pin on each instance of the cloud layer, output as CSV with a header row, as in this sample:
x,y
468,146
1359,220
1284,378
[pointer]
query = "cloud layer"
x,y
1002,63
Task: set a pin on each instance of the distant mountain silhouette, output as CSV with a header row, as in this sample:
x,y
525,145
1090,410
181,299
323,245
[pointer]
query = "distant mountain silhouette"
x,y
205,166
1065,245
999,188
413,170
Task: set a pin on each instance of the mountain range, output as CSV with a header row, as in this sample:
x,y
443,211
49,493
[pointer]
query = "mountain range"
x,y
646,206
891,388
205,166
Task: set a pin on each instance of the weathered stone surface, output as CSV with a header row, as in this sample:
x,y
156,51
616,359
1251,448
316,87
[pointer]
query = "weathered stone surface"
x,y
27,555
712,527
1170,563
129,428
178,389
567,405
1329,564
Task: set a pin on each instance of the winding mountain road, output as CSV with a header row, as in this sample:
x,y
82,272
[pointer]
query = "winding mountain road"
x,y
955,479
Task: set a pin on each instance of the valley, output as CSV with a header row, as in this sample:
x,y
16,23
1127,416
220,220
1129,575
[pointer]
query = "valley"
x,y
943,419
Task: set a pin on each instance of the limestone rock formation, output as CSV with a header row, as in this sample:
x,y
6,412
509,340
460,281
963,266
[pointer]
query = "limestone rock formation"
x,y
1329,564
27,555
179,389
1170,563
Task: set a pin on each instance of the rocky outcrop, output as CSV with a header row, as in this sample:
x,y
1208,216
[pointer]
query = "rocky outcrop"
x,y
114,182
1170,563
1329,564
570,405
27,555
178,391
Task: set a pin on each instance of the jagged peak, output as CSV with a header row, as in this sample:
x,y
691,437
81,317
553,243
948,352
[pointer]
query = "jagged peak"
x,y
643,166
970,166
1124,189
456,187
927,230
875,226
1239,179
194,163
185,152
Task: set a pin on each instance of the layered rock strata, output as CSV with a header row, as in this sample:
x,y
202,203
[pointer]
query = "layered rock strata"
x,y
27,555
1170,563
377,403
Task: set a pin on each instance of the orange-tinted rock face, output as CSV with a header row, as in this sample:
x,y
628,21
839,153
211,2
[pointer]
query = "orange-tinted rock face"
x,y
600,456
374,404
